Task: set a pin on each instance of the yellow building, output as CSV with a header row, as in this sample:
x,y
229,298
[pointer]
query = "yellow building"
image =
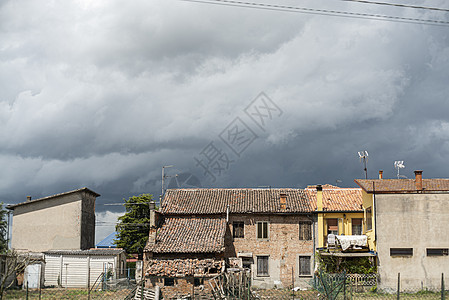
x,y
339,211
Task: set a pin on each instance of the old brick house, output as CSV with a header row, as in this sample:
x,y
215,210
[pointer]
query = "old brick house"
x,y
269,231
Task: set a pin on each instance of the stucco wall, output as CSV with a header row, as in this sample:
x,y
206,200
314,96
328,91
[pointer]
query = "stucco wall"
x,y
417,221
283,248
49,224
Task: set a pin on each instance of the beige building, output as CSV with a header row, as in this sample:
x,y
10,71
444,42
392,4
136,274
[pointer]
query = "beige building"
x,y
60,222
407,221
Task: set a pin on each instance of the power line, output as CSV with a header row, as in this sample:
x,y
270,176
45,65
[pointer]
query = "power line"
x,y
399,5
325,12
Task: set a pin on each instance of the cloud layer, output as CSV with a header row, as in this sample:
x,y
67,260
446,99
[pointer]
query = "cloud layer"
x,y
103,94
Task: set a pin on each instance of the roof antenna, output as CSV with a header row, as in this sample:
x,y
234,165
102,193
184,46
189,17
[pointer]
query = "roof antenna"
x,y
399,164
363,155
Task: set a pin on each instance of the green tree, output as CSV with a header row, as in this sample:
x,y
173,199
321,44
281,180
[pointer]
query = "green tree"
x,y
3,229
133,227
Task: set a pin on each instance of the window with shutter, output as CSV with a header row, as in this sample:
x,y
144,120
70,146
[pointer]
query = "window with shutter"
x,y
262,230
305,230
357,228
304,265
262,266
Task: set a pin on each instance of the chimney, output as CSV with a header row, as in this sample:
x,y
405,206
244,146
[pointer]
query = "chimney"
x,y
283,201
28,198
152,214
381,174
418,180
319,197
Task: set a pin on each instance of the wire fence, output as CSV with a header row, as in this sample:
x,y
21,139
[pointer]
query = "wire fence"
x,y
322,287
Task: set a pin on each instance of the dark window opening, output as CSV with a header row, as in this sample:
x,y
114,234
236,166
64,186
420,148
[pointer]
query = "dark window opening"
x,y
213,271
169,281
305,230
262,230
262,266
304,265
238,230
401,251
247,262
198,281
437,252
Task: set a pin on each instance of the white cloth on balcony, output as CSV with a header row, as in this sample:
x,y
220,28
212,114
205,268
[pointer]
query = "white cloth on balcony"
x,y
347,241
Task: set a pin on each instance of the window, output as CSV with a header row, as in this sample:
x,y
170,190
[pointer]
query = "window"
x,y
357,228
305,230
437,252
332,226
262,266
198,281
238,230
169,281
369,219
401,251
304,265
262,230
247,262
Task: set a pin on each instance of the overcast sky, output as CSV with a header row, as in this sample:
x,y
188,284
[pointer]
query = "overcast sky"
x,y
102,94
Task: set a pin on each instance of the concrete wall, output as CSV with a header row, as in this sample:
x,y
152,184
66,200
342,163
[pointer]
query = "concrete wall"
x,y
283,248
54,224
417,221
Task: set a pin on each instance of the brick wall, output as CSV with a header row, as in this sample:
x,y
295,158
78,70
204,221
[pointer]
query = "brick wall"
x,y
282,246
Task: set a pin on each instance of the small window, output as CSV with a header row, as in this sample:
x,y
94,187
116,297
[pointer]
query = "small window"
x,y
169,281
401,251
357,228
437,252
369,219
304,265
238,230
305,230
262,266
262,230
247,262
198,281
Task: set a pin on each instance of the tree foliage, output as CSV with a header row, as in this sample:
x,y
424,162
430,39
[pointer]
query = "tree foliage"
x,y
350,265
133,227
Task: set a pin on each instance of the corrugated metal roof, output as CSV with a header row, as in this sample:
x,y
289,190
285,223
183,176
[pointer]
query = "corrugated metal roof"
x,y
240,200
108,242
85,252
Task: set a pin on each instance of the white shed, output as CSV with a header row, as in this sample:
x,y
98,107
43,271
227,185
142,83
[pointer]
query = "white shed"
x,y
72,268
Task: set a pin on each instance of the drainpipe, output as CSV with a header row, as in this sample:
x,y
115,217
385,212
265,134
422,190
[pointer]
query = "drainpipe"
x,y
375,214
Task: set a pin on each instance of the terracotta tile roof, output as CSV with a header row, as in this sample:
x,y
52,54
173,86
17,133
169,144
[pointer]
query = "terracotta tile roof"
x,y
337,199
215,201
190,235
402,185
182,267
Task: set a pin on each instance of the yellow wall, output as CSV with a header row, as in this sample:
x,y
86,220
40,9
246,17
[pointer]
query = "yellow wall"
x,y
367,203
344,224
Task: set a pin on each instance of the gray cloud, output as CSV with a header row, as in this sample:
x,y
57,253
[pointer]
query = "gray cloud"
x,y
104,94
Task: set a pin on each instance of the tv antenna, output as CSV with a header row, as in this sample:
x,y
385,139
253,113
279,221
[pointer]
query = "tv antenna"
x,y
399,164
363,155
163,179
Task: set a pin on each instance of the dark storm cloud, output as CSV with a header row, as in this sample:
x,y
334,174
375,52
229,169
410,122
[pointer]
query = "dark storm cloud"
x,y
103,94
